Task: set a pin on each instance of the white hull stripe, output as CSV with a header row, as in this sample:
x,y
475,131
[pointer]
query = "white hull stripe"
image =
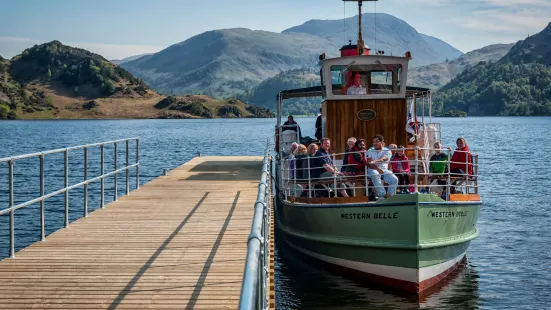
x,y
400,273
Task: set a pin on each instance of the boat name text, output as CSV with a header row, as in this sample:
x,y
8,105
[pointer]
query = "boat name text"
x,y
448,213
368,216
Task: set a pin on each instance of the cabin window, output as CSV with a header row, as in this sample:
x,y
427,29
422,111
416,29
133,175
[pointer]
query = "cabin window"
x,y
369,79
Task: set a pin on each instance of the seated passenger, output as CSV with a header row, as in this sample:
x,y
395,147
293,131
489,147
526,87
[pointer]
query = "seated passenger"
x,y
324,167
301,164
350,144
400,166
392,148
291,157
438,165
357,88
356,159
378,158
461,159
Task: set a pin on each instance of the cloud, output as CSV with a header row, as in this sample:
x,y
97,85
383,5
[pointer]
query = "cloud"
x,y
11,46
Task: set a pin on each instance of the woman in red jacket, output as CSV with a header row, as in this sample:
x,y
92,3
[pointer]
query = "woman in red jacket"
x,y
356,159
461,158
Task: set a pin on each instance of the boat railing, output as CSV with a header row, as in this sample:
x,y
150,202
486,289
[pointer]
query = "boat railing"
x,y
254,289
448,184
42,198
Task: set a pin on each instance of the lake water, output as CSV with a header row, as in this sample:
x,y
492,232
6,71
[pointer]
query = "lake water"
x,y
509,265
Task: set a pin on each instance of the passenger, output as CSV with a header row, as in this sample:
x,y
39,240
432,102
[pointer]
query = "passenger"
x,y
291,157
357,88
349,145
392,148
461,159
438,165
312,150
400,166
290,124
324,167
318,127
356,159
439,160
301,158
377,158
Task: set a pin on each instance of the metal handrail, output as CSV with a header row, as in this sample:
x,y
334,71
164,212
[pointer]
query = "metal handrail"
x,y
11,161
289,175
254,294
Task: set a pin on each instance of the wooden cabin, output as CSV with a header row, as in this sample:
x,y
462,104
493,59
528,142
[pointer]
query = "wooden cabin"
x,y
381,109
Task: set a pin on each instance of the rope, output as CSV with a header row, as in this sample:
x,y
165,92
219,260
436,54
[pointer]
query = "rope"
x,y
375,25
344,20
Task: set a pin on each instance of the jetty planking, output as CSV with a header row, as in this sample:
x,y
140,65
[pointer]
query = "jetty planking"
x,y
177,242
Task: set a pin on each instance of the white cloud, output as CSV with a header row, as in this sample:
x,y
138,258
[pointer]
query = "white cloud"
x,y
11,46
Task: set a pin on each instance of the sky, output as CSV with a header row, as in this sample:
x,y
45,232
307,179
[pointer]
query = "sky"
x,y
117,29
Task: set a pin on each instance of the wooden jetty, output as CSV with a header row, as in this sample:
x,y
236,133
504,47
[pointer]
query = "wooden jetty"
x,y
180,241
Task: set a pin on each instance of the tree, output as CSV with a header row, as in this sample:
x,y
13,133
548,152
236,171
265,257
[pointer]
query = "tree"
x,y
49,74
108,87
4,111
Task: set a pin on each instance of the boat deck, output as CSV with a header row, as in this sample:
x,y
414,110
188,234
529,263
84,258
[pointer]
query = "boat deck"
x,y
180,241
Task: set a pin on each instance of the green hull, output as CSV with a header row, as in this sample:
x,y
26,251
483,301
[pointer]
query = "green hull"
x,y
407,241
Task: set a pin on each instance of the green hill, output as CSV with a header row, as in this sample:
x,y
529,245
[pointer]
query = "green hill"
x,y
264,95
436,75
517,84
53,80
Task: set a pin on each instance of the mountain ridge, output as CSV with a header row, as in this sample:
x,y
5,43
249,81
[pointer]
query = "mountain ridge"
x,y
227,62
517,84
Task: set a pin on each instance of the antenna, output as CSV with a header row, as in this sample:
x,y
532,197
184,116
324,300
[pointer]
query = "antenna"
x,y
361,45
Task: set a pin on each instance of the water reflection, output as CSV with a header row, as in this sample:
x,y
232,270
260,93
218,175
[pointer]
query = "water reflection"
x,y
304,283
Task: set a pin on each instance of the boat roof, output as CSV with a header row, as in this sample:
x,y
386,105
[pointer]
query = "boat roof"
x,y
316,91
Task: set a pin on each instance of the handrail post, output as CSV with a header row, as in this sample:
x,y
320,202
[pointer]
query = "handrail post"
x,y
138,164
115,194
85,213
126,170
309,178
66,190
416,169
448,187
102,198
42,233
12,212
475,168
467,173
335,176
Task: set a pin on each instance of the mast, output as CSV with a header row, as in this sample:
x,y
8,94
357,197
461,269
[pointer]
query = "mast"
x,y
361,45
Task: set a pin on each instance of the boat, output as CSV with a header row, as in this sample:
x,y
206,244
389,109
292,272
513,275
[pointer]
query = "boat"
x,y
410,241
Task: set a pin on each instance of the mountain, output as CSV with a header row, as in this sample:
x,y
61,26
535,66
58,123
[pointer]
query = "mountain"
x,y
226,62
127,59
390,34
441,47
518,84
264,95
437,75
53,80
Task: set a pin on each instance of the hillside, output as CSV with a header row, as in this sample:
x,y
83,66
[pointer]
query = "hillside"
x,y
127,59
227,62
264,95
223,63
53,80
437,75
517,84
442,48
394,36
